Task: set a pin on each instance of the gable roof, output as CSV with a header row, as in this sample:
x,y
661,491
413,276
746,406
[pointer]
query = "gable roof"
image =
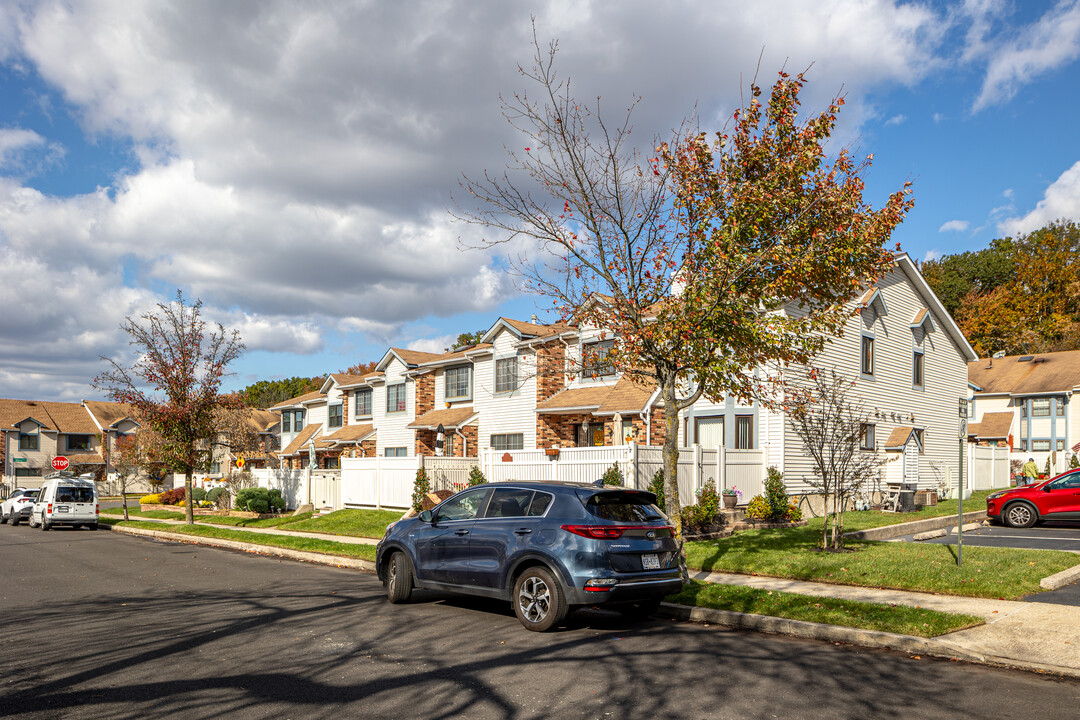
x,y
450,418
351,434
1056,372
54,416
899,436
352,381
109,414
408,358
625,396
262,420
993,426
907,266
300,440
523,330
299,400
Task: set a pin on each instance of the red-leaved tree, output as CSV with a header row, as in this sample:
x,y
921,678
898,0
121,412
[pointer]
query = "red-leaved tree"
x,y
174,384
704,260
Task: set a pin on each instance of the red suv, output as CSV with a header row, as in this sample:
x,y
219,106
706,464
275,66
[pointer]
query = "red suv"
x,y
1054,499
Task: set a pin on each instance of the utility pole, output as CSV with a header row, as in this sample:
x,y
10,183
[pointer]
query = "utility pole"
x,y
962,435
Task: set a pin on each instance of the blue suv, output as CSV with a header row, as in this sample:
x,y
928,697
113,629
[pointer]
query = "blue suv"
x,y
546,547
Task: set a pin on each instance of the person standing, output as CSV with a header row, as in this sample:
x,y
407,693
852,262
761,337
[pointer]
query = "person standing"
x,y
1030,471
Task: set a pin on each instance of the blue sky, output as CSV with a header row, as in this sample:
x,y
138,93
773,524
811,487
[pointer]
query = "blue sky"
x,y
291,164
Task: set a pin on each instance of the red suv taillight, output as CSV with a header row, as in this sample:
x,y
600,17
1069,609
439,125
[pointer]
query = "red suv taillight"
x,y
48,508
597,532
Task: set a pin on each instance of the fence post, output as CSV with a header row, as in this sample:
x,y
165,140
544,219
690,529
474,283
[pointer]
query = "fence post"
x,y
635,467
719,466
378,481
721,479
696,464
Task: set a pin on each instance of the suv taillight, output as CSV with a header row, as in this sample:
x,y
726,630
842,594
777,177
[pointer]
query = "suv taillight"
x,y
48,508
597,532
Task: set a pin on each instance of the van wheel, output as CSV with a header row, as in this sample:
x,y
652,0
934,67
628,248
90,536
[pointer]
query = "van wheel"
x,y
45,524
92,526
30,521
539,600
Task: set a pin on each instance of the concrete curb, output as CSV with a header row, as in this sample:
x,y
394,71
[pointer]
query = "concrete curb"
x,y
930,534
1061,579
317,558
851,636
916,526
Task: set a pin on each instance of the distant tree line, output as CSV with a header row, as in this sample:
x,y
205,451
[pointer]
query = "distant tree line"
x,y
1019,295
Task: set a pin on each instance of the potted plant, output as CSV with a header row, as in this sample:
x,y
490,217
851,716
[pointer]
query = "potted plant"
x,y
731,497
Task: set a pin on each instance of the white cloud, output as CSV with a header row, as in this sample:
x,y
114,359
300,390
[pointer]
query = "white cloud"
x,y
1061,200
954,226
896,120
938,118
23,151
433,345
931,255
1047,44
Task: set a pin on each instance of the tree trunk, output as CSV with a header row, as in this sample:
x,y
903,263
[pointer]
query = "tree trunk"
x,y
123,495
189,508
671,467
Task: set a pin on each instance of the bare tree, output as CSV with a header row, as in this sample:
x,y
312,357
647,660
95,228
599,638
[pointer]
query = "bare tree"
x,y
831,427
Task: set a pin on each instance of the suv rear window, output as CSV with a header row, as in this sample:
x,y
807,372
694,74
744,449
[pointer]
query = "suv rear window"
x,y
67,493
623,507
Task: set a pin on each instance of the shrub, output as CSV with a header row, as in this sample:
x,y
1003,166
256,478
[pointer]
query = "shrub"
x,y
758,509
656,487
277,502
421,487
1073,462
612,476
776,496
708,500
700,517
253,500
172,497
220,497
476,476
154,499
198,495
794,512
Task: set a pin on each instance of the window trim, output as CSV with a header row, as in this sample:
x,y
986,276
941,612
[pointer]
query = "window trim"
x,y
1040,441
1040,414
867,436
516,383
339,416
386,451
37,441
506,445
368,393
403,401
918,369
468,368
590,371
68,446
286,421
748,421
867,342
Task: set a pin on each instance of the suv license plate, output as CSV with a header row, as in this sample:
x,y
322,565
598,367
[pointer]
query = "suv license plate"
x,y
61,508
650,562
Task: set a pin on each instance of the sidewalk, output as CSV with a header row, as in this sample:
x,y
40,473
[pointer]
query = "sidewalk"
x,y
1034,636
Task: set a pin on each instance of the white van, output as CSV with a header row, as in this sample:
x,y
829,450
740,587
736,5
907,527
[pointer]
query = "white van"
x,y
66,500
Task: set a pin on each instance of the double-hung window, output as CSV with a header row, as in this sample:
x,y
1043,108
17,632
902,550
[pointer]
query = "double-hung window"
x,y
286,422
336,415
78,442
28,441
395,398
363,402
396,452
458,385
744,432
1040,407
506,375
595,361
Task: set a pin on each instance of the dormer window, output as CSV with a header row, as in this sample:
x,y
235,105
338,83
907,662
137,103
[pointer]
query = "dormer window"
x,y
28,441
336,414
594,359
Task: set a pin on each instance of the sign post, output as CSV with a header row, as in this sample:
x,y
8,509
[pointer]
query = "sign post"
x,y
962,435
60,463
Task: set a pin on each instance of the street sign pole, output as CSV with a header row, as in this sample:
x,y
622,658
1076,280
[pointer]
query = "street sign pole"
x,y
962,435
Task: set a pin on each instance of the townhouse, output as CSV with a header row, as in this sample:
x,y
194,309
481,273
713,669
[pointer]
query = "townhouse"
x,y
1024,402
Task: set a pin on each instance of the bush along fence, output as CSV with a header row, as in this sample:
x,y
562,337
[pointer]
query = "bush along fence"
x,y
388,482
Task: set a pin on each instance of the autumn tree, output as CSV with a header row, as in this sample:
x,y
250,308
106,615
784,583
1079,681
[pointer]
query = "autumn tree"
x,y
174,383
689,256
360,368
466,339
126,459
831,424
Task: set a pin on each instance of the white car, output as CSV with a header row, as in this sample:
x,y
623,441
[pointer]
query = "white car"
x,y
19,506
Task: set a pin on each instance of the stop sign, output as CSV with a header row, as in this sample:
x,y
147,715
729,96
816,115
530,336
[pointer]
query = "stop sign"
x,y
60,463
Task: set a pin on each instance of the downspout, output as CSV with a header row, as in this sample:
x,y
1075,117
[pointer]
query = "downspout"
x,y
464,442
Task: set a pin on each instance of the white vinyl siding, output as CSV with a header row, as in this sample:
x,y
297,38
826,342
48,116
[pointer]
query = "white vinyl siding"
x,y
392,428
510,412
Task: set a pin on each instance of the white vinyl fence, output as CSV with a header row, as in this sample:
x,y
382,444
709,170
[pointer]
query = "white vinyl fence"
x,y
387,482
988,467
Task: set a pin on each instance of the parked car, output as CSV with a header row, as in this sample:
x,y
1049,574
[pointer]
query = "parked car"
x,y
65,500
545,547
17,507
1055,499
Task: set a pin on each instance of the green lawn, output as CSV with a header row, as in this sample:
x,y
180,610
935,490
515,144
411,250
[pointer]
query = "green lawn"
x,y
867,519
792,553
134,511
358,523
847,613
298,542
286,521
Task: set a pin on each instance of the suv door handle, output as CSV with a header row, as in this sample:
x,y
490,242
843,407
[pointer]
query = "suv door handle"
x,y
522,531
461,532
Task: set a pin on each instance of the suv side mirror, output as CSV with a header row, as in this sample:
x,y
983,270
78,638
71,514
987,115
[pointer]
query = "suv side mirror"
x,y
425,516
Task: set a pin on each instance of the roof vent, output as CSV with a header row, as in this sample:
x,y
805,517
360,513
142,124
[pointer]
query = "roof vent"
x,y
1038,360
1025,358
999,354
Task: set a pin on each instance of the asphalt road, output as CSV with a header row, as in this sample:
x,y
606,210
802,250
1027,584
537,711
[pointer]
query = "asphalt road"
x,y
101,625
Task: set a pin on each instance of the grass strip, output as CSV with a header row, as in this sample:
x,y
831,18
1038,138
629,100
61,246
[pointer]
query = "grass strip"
x,y
792,553
900,619
868,519
357,523
306,544
280,521
136,512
